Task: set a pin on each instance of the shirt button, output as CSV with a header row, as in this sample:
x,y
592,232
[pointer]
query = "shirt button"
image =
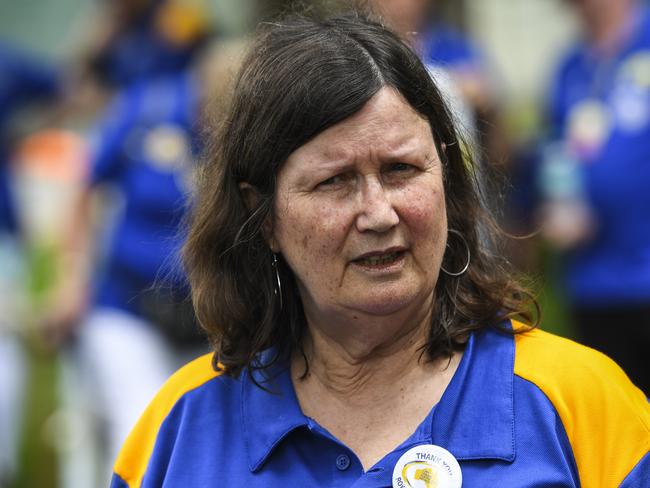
x,y
343,462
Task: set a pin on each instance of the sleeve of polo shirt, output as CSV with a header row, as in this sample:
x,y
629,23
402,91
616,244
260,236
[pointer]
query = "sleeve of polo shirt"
x,y
606,418
640,475
133,460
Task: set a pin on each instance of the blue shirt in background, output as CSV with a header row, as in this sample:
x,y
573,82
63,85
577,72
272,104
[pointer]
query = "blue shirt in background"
x,y
146,148
600,109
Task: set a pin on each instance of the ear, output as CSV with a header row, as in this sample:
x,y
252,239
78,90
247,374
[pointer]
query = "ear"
x,y
250,195
252,199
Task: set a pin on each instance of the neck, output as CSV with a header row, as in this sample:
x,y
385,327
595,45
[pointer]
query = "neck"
x,y
355,378
609,28
345,369
360,352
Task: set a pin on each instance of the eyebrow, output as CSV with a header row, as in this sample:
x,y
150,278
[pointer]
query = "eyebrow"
x,y
314,172
408,149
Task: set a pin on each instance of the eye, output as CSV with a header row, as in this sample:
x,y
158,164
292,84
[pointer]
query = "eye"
x,y
334,181
400,169
330,181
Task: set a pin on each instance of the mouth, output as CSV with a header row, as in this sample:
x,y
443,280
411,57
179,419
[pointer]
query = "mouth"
x,y
380,259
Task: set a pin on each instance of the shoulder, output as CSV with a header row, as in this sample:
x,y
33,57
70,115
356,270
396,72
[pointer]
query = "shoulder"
x,y
558,363
606,418
445,45
193,380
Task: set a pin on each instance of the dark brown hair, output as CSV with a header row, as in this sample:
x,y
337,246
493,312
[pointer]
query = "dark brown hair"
x,y
303,75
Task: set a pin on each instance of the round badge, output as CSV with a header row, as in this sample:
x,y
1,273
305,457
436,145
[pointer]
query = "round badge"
x,y
636,70
427,466
589,126
167,147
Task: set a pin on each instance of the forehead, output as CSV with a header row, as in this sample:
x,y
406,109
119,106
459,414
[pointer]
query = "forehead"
x,y
386,123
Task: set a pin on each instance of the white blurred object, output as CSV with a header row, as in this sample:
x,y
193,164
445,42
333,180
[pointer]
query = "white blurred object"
x,y
12,356
70,429
97,381
12,282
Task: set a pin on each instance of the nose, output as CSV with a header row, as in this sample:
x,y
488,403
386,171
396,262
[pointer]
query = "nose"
x,y
376,210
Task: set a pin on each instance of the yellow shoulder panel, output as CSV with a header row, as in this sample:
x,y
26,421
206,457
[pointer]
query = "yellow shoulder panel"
x,y
606,418
132,461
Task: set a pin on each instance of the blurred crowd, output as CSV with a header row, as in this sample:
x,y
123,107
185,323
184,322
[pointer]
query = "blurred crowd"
x,y
97,156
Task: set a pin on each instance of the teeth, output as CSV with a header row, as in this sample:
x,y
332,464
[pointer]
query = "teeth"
x,y
379,260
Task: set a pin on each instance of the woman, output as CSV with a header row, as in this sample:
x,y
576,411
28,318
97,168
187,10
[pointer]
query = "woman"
x,y
133,300
361,333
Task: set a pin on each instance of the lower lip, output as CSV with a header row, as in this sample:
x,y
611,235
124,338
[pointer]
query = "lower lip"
x,y
392,266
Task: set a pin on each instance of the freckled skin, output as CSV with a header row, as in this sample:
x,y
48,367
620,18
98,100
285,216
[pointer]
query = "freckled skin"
x,y
370,183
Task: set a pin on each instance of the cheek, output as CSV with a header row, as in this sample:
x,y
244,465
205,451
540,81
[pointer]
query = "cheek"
x,y
426,214
308,232
311,238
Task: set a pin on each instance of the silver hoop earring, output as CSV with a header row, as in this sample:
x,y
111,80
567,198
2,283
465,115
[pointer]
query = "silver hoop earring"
x,y
277,289
469,256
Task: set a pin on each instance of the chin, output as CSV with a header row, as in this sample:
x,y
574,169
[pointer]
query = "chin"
x,y
383,304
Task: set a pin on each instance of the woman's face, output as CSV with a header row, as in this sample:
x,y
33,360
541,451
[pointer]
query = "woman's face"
x,y
360,212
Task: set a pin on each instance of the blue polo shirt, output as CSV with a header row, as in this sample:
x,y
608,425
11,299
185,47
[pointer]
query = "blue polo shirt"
x,y
145,148
599,107
535,410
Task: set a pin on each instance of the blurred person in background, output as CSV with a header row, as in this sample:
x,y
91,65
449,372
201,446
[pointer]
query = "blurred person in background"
x,y
457,64
135,40
439,45
595,180
24,80
124,302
